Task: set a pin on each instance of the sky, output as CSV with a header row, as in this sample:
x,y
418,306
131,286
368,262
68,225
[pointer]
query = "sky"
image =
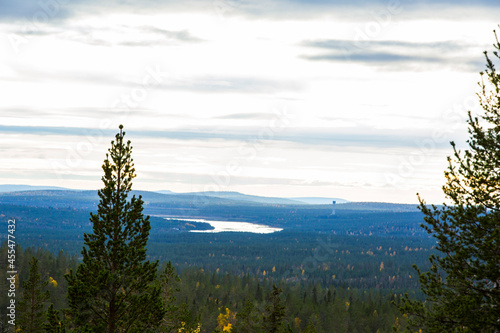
x,y
289,98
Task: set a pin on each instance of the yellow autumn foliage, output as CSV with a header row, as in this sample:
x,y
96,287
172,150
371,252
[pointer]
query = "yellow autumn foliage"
x,y
52,282
183,329
225,321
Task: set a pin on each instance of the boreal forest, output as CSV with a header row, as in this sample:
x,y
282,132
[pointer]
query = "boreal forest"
x,y
119,260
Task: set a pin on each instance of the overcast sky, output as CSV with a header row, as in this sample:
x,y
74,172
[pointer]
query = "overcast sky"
x,y
348,99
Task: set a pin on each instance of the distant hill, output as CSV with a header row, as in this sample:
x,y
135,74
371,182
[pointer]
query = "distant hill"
x,y
379,206
89,199
165,192
181,197
43,212
168,202
247,198
17,188
319,200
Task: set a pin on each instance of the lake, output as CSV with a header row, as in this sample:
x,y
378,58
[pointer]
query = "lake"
x,y
231,226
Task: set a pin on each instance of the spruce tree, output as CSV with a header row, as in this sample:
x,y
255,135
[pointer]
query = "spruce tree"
x,y
54,324
177,318
462,286
113,289
32,304
273,320
248,320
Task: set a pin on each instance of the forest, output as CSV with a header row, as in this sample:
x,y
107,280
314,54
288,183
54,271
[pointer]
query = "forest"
x,y
355,264
215,299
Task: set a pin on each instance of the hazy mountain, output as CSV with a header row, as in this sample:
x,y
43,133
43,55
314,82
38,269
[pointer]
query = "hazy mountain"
x,y
319,200
89,199
165,192
17,188
157,203
379,206
157,196
247,198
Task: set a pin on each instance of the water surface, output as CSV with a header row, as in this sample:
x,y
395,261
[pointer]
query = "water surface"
x,y
234,226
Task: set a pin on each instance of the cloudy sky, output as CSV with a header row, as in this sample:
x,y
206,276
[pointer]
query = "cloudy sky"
x,y
346,99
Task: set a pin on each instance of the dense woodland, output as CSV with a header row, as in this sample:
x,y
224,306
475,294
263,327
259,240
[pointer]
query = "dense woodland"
x,y
337,273
205,297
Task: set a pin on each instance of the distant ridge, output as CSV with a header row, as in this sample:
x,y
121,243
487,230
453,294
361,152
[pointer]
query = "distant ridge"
x,y
18,188
319,200
157,203
380,206
157,196
63,197
165,192
231,195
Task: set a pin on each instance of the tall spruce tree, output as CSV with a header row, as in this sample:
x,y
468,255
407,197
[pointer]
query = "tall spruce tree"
x,y
177,318
53,324
274,319
462,286
32,304
113,290
249,320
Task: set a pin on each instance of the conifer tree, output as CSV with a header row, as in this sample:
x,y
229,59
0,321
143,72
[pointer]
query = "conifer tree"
x,y
274,317
249,320
176,318
310,328
463,284
54,324
32,304
113,289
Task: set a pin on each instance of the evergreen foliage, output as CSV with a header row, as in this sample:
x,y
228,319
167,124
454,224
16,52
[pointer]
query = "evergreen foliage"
x,y
248,320
203,295
274,317
177,317
463,283
113,289
50,267
32,304
53,324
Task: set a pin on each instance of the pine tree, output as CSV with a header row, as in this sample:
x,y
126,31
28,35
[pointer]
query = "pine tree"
x,y
249,320
113,289
274,317
54,324
463,284
32,304
310,328
177,318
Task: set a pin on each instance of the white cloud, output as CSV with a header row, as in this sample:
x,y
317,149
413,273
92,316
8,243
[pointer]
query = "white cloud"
x,y
238,85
